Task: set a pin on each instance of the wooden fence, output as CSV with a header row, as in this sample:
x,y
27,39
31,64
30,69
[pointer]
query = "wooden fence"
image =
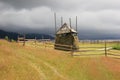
x,y
104,50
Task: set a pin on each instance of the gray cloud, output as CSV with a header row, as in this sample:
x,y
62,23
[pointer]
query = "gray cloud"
x,y
65,4
94,17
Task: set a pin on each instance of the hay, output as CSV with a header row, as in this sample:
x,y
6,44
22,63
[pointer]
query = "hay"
x,y
66,36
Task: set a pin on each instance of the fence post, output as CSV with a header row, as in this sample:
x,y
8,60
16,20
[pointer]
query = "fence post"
x,y
72,51
105,49
35,40
18,38
24,40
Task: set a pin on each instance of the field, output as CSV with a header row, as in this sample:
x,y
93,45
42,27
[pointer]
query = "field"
x,y
39,62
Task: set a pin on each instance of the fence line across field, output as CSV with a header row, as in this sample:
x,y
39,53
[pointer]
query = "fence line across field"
x,y
107,50
70,46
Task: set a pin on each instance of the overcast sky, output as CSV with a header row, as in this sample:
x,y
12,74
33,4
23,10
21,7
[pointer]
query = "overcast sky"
x,y
95,17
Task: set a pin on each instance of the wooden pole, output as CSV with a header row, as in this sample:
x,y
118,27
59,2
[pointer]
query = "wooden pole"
x,y
70,21
61,21
35,39
77,27
72,51
55,22
18,39
24,40
76,23
105,49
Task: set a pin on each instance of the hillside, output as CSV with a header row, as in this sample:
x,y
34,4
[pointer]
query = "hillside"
x,y
14,35
33,62
11,35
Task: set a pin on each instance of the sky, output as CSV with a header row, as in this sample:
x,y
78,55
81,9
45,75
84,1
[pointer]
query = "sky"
x,y
96,18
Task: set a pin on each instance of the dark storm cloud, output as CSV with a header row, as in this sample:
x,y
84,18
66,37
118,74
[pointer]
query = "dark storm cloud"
x,y
25,3
29,4
98,16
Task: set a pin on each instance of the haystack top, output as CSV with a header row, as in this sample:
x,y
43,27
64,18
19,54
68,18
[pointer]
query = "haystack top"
x,y
65,29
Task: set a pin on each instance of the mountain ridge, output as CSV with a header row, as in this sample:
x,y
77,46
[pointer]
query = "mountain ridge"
x,y
14,35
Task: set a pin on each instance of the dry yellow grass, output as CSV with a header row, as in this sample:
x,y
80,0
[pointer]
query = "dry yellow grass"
x,y
35,62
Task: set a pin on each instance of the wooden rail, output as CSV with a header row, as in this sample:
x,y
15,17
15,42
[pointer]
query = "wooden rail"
x,y
63,45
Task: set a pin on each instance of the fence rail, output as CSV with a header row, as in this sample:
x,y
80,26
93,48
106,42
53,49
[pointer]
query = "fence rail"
x,y
102,54
92,49
63,47
114,54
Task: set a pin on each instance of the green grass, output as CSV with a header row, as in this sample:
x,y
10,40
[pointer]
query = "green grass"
x,y
116,47
35,62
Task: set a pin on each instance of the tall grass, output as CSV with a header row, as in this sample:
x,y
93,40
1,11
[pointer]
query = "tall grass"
x,y
35,62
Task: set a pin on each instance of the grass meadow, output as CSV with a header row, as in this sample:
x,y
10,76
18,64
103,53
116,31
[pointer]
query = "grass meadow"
x,y
41,62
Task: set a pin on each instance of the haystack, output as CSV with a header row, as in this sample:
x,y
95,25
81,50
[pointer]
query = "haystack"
x,y
66,38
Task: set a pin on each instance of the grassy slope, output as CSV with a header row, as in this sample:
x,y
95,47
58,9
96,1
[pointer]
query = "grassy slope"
x,y
40,63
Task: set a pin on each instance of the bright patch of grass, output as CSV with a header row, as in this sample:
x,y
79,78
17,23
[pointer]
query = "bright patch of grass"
x,y
116,47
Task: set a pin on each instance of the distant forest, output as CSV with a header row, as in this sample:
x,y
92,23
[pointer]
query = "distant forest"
x,y
14,35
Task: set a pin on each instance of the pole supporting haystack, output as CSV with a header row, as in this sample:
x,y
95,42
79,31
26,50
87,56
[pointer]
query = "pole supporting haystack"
x,y
55,21
70,21
61,21
76,23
